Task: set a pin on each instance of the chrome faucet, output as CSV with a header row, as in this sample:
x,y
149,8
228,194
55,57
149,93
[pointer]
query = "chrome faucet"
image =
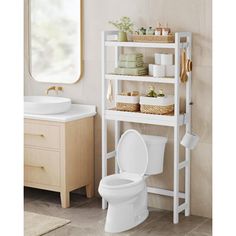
x,y
55,88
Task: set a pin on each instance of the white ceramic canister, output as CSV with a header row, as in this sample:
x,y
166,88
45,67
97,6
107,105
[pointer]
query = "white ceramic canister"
x,y
158,71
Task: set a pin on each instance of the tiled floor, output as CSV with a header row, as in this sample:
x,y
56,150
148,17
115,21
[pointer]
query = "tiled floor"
x,y
87,217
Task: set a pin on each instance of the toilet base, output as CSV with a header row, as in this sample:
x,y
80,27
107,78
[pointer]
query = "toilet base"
x,y
127,215
126,222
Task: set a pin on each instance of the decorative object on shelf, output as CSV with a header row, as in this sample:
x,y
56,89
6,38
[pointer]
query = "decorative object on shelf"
x,y
138,71
158,30
159,35
163,66
156,103
151,92
190,140
131,64
109,91
142,31
161,94
128,101
166,59
150,31
150,69
158,71
131,57
124,25
170,70
166,30
157,58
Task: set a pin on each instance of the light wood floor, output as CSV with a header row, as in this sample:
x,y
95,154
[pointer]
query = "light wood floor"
x,y
87,217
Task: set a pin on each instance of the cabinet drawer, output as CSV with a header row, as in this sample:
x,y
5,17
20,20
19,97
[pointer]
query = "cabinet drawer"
x,y
42,166
42,135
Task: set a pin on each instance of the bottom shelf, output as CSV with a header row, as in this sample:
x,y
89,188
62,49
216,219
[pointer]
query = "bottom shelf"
x,y
138,117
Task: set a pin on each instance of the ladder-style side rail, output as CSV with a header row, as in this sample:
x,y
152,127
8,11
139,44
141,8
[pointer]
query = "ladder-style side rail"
x,y
188,127
104,121
176,131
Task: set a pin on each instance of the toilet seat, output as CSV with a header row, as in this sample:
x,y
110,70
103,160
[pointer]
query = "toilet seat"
x,y
132,153
121,181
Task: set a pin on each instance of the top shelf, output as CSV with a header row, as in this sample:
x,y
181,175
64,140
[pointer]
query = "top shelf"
x,y
143,45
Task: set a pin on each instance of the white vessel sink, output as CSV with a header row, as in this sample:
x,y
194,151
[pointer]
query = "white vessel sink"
x,y
44,105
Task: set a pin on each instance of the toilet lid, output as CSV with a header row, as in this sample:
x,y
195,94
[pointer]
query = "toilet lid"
x,y
132,153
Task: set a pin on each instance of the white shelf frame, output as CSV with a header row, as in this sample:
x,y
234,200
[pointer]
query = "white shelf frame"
x,y
174,121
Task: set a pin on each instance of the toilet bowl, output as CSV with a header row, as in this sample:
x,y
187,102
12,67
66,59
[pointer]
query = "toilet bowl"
x,y
126,192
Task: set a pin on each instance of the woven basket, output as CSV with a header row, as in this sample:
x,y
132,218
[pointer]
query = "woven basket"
x,y
127,107
127,103
154,38
158,110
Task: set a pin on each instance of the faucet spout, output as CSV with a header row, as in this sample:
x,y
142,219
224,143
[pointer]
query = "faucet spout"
x,y
55,88
50,88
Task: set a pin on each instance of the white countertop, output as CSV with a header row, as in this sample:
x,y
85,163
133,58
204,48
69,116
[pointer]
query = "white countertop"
x,y
76,112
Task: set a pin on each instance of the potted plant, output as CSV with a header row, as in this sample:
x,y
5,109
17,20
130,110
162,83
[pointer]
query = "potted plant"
x,y
124,25
156,103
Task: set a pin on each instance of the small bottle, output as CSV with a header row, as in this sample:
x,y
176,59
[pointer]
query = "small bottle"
x,y
158,30
166,30
150,31
142,31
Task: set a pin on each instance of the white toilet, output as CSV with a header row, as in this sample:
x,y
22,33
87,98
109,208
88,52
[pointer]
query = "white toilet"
x,y
126,192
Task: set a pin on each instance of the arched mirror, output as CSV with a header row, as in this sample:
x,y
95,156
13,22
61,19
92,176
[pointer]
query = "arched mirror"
x,y
54,36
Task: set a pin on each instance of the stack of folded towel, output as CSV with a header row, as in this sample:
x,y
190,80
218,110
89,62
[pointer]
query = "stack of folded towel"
x,y
131,64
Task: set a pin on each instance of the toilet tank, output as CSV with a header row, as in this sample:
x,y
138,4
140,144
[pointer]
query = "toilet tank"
x,y
156,150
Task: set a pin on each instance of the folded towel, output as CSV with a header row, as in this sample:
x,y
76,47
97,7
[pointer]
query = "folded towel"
x,y
132,71
131,57
130,64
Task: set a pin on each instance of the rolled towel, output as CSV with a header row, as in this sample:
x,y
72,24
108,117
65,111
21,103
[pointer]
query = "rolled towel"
x,y
131,57
130,64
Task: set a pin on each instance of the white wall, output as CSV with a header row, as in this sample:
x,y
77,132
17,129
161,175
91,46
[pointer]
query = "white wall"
x,y
181,15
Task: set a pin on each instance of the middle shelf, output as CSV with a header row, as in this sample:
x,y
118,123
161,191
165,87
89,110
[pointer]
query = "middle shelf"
x,y
138,117
166,80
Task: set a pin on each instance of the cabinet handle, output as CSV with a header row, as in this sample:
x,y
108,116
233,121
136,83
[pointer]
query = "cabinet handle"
x,y
41,167
40,135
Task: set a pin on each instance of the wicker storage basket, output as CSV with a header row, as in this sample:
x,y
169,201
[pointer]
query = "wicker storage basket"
x,y
158,106
127,103
154,38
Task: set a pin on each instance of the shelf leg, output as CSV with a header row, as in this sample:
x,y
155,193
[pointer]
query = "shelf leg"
x,y
117,91
188,129
176,132
176,175
104,122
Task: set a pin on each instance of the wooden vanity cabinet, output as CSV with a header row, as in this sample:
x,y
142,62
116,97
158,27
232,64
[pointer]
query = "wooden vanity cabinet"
x,y
59,156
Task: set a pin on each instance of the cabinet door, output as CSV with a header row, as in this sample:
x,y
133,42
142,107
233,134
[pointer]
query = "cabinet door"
x,y
42,166
42,135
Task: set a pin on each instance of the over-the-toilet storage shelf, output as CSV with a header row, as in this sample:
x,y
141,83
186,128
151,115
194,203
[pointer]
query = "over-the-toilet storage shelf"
x,y
176,120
